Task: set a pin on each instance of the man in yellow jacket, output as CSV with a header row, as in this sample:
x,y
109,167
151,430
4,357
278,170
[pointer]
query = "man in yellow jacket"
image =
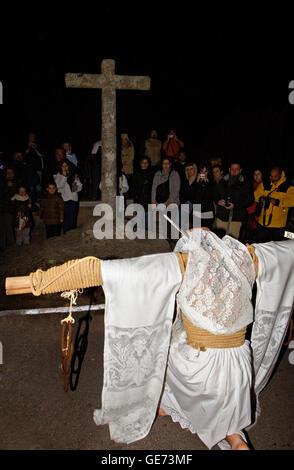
x,y
274,200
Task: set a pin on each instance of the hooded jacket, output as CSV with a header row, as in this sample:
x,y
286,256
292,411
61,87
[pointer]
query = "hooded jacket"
x,y
283,192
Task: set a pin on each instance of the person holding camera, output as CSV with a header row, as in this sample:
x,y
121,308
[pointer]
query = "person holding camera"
x,y
204,196
172,146
233,195
273,202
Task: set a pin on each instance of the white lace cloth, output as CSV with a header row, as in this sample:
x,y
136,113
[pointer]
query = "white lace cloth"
x,y
208,391
205,391
274,301
140,298
217,288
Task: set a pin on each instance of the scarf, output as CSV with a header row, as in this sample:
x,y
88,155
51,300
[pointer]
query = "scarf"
x,y
140,297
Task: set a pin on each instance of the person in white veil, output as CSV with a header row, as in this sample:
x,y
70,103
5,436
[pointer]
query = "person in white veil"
x,y
209,373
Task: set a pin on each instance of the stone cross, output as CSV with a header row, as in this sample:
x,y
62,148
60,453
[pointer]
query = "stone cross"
x,y
109,83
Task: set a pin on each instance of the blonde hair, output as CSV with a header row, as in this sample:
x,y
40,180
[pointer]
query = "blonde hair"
x,y
188,166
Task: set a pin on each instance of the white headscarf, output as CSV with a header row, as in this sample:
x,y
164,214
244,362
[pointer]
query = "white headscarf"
x,y
216,291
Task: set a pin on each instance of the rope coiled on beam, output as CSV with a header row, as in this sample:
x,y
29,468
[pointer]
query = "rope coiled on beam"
x,y
75,274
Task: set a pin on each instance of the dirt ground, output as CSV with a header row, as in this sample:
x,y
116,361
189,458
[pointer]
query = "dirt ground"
x,y
35,411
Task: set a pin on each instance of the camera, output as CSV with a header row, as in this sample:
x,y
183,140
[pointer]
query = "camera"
x,y
264,202
228,201
202,176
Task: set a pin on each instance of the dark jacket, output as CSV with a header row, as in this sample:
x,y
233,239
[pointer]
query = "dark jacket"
x,y
26,174
52,209
142,186
181,169
241,194
35,158
188,191
205,196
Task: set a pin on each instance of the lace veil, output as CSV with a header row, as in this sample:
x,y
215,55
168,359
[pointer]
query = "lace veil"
x,y
217,288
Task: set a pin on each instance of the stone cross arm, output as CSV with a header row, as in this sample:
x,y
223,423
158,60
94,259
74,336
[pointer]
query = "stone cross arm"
x,y
121,82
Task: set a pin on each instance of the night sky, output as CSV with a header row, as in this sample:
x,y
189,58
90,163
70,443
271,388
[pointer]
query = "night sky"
x,y
219,77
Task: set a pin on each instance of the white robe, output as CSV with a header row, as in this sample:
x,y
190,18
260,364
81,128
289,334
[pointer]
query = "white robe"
x,y
208,391
274,305
140,298
205,391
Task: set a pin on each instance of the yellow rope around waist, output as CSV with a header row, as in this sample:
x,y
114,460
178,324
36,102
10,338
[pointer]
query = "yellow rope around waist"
x,y
202,339
75,274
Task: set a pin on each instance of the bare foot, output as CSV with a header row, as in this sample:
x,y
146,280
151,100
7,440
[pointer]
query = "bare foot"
x,y
236,442
161,412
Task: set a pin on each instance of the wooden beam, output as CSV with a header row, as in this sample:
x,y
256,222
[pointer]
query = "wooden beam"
x,y
21,284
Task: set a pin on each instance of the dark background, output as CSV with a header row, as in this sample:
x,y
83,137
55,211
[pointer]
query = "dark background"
x,y
219,77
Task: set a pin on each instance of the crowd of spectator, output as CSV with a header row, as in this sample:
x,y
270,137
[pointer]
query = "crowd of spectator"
x,y
252,210
256,210
31,184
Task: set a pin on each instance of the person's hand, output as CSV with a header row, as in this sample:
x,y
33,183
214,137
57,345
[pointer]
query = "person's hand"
x,y
230,206
222,202
61,221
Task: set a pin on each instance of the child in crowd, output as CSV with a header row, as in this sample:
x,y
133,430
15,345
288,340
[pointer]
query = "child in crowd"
x,y
52,211
23,219
68,185
70,156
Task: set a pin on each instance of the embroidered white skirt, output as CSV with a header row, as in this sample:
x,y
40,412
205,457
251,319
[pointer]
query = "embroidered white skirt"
x,y
208,391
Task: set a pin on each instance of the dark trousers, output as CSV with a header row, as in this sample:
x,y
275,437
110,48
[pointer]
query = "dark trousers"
x,y
70,215
53,230
268,234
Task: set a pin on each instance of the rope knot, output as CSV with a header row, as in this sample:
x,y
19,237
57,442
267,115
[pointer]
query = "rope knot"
x,y
72,295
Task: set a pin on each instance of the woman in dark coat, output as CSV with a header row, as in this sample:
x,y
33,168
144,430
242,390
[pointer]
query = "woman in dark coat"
x,y
142,187
142,183
205,195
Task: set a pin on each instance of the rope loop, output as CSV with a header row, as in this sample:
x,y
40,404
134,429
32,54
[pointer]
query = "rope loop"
x,y
66,337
